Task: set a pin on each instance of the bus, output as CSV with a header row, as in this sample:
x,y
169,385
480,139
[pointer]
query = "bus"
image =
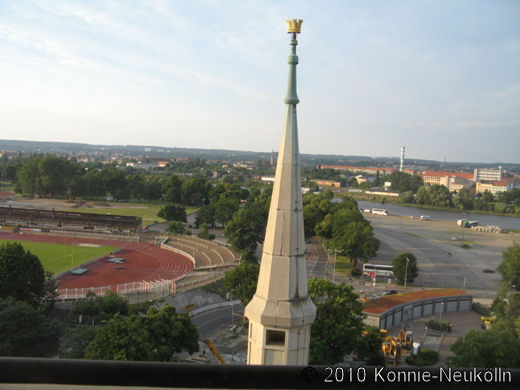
x,y
378,269
380,211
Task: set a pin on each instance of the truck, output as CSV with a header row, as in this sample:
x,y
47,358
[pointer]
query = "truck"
x,y
466,223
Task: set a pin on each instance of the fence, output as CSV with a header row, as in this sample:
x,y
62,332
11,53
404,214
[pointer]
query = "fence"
x,y
144,290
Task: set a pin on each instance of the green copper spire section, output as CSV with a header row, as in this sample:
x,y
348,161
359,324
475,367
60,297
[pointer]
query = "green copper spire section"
x,y
292,97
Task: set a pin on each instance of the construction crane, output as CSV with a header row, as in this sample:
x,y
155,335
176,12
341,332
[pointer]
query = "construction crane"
x,y
215,351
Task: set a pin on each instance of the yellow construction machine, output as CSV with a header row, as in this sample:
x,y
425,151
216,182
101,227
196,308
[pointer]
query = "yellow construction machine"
x,y
406,338
486,322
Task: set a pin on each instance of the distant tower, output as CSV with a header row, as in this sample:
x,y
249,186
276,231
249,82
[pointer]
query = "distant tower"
x,y
281,312
402,159
271,161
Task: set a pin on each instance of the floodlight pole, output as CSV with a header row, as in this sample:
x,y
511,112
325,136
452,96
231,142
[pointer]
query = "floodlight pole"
x,y
406,271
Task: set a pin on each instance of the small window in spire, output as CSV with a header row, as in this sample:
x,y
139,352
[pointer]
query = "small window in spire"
x,y
275,337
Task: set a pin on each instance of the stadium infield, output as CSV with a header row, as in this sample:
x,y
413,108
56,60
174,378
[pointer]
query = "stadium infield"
x,y
57,258
142,262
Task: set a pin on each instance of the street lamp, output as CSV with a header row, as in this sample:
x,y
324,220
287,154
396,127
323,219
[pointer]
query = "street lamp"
x,y
406,271
462,226
335,254
440,314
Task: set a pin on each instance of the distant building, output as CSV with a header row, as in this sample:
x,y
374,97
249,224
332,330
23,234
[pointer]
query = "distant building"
x,y
487,174
455,183
495,186
361,179
443,178
162,164
327,183
368,170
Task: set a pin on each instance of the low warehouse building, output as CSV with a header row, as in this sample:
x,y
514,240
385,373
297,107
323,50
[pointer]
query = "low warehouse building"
x,y
393,310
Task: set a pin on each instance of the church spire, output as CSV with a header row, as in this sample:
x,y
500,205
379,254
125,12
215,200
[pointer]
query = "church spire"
x,y
281,312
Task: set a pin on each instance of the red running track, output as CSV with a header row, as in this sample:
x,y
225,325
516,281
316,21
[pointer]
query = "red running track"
x,y
142,262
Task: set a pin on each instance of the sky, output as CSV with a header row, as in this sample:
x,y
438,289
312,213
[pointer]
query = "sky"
x,y
441,78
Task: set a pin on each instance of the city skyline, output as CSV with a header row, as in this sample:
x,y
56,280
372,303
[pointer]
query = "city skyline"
x,y
439,77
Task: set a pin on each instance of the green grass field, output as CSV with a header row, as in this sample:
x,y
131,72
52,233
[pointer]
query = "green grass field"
x,y
343,265
57,258
148,212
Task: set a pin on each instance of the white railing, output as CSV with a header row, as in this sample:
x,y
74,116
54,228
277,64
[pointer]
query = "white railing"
x,y
144,289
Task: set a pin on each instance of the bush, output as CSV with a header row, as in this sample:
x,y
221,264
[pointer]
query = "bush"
x,y
425,357
441,326
481,309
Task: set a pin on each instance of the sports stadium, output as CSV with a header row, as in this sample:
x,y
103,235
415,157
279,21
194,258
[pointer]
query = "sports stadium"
x,y
140,266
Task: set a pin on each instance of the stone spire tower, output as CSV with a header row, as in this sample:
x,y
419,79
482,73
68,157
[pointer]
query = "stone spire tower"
x,y
281,312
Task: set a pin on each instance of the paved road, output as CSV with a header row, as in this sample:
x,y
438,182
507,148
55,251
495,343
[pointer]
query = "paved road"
x,y
213,321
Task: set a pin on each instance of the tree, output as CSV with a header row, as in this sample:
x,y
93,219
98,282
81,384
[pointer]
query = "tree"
x,y
195,191
338,324
402,271
225,207
369,347
241,281
407,197
122,338
22,275
204,234
463,200
26,331
346,229
170,212
486,348
315,208
76,340
356,241
246,229
403,182
102,308
510,267
177,227
156,336
169,332
206,215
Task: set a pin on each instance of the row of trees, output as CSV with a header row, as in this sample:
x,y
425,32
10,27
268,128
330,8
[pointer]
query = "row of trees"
x,y
440,196
51,176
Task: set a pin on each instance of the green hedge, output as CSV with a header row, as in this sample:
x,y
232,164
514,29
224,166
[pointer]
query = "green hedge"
x,y
442,326
425,357
481,309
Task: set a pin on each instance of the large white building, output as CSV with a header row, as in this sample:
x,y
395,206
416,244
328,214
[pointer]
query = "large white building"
x,y
487,174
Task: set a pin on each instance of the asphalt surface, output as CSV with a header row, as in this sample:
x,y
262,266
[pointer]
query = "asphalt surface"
x,y
441,259
214,321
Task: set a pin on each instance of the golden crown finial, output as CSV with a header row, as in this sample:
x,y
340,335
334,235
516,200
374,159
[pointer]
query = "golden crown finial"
x,y
294,25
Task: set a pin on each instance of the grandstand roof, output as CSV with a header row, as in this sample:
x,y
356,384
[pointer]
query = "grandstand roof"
x,y
380,305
